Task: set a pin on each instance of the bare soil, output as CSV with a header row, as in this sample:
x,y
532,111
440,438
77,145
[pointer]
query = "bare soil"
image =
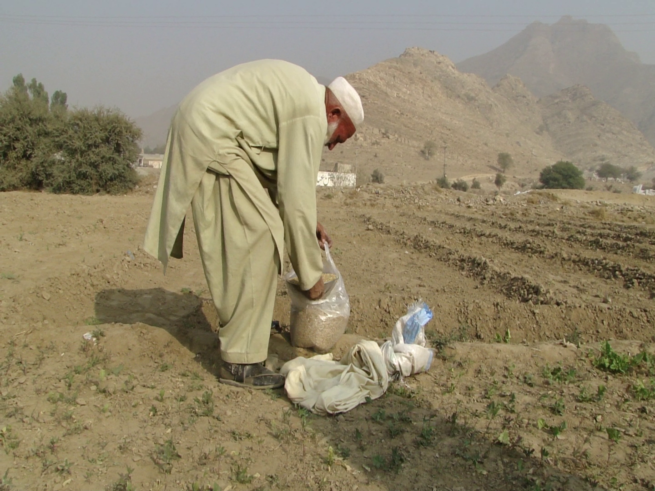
x,y
524,288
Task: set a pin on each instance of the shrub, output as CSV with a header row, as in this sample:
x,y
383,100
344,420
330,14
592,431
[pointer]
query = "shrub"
x,y
608,170
562,175
443,183
475,184
460,185
632,174
43,145
377,176
505,161
500,180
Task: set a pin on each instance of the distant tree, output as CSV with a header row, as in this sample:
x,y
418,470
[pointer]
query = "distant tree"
x,y
475,184
608,170
429,149
44,146
377,176
460,185
500,180
562,175
443,183
632,174
505,161
58,101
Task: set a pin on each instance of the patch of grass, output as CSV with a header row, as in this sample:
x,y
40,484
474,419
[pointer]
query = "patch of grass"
x,y
439,341
558,407
164,456
238,436
124,482
643,392
8,439
205,404
8,276
505,338
559,374
92,321
585,396
427,436
240,474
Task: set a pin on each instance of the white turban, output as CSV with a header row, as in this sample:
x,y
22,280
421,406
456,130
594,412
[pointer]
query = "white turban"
x,y
349,99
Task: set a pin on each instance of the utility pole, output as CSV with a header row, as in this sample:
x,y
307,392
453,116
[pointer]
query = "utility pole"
x,y
444,160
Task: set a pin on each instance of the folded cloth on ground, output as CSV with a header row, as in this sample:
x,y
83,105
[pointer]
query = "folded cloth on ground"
x,y
325,386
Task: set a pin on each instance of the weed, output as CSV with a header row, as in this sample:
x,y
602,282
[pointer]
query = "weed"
x,y
98,332
427,435
395,430
585,396
611,361
160,397
379,416
614,436
379,462
528,379
558,407
559,374
8,440
92,321
241,474
63,467
7,276
642,392
330,458
461,334
164,367
506,338
344,452
152,412
238,436
164,455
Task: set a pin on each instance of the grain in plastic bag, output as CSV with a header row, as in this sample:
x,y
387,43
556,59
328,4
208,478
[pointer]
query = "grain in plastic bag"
x,y
319,324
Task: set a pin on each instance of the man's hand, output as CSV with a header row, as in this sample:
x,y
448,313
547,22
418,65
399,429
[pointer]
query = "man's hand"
x,y
322,236
316,292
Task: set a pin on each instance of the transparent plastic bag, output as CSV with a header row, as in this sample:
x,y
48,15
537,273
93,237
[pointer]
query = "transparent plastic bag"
x,y
319,324
406,353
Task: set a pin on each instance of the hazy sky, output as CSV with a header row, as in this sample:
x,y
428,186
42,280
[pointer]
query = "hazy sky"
x,y
143,55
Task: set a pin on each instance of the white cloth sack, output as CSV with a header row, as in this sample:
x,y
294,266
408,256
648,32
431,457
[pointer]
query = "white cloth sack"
x,y
326,387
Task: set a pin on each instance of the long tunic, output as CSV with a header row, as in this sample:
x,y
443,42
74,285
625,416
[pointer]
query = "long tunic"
x,y
262,124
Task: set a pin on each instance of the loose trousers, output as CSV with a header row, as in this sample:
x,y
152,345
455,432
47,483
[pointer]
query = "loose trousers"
x,y
241,265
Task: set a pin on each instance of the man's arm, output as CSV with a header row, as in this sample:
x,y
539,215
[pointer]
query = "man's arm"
x,y
299,152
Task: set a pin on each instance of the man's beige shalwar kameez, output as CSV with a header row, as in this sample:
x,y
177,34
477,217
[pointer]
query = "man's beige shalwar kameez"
x,y
243,151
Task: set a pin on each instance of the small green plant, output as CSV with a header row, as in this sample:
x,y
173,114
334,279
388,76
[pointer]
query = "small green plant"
x,y
585,396
559,374
205,404
429,149
8,440
613,437
643,392
330,458
240,474
124,482
377,176
500,180
475,184
397,459
505,161
160,397
63,467
164,456
528,379
379,416
379,462
558,407
506,338
92,321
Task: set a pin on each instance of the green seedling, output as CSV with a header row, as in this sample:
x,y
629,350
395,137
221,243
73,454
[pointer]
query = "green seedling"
x,y
559,374
558,407
241,474
164,456
613,436
611,361
160,397
379,416
643,392
205,404
379,462
330,458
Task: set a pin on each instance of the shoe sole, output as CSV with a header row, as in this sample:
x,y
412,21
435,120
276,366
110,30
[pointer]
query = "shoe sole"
x,y
247,386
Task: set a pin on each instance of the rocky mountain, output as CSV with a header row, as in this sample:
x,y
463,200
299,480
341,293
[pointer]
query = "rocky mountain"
x,y
549,58
421,97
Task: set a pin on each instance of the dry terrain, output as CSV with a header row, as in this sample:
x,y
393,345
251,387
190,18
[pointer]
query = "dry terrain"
x,y
524,395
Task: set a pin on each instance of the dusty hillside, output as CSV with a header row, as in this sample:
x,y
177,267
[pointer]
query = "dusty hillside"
x,y
589,131
421,96
509,407
549,58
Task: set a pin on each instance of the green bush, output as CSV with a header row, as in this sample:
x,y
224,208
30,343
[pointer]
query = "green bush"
x,y
429,149
43,145
632,174
562,175
475,184
377,176
460,185
505,161
608,170
443,183
500,180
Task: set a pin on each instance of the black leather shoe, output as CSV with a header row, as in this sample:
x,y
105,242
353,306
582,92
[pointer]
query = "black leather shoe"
x,y
254,376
